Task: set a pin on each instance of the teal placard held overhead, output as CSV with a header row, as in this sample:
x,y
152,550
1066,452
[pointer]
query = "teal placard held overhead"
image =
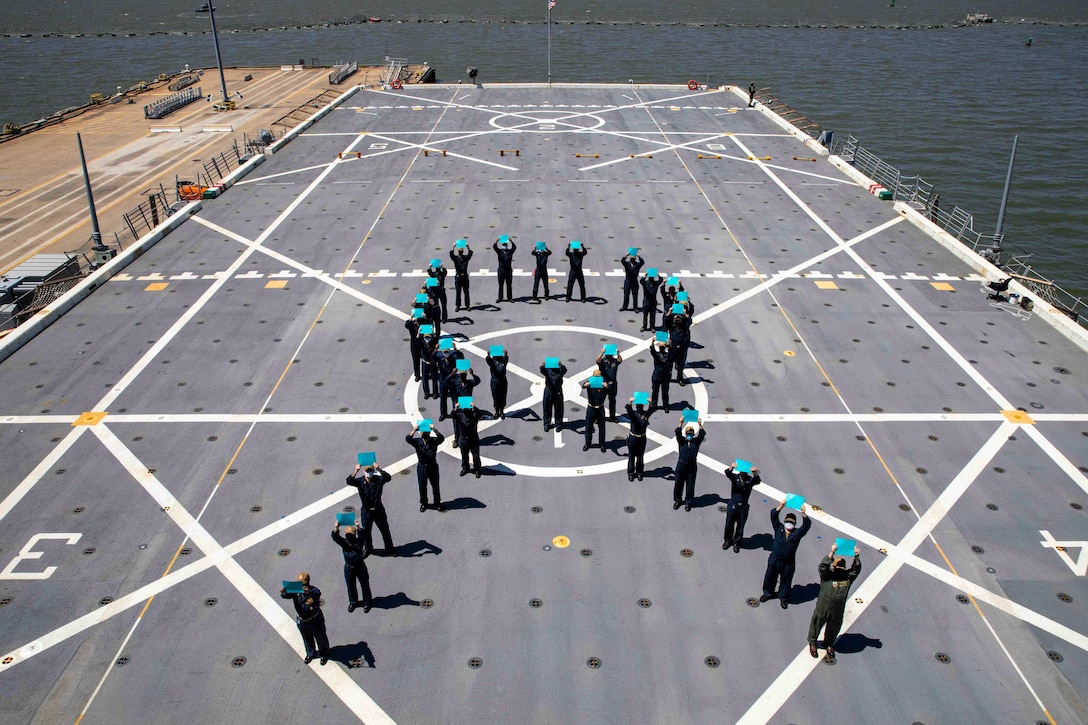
x,y
672,282
431,282
367,459
691,415
596,381
678,309
421,298
417,313
504,239
445,344
425,425
436,262
632,251
575,244
460,244
794,501
846,547
661,336
651,272
541,246
551,362
463,365
642,398
681,296
426,329
610,350
345,519
744,466
464,401
496,351
294,587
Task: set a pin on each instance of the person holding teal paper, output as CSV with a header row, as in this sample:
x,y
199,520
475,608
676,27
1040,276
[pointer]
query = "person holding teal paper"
x,y
447,368
687,462
632,263
439,273
741,485
662,355
651,282
540,272
427,300
370,482
596,390
461,384
468,437
669,290
575,253
355,570
497,360
504,250
835,582
553,394
428,355
426,446
783,559
678,323
309,618
608,362
415,341
461,256
638,420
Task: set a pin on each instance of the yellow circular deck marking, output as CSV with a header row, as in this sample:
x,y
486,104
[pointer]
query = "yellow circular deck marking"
x,y
551,280
788,353
366,281
560,542
90,418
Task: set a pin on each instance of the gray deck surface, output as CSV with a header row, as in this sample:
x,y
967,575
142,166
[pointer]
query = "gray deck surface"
x,y
246,359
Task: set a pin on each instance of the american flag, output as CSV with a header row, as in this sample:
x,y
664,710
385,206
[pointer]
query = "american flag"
x,y
551,4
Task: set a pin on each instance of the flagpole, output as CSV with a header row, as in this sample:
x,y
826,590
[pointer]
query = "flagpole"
x,y
549,44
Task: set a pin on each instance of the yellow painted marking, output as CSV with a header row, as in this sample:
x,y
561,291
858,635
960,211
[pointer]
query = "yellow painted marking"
x,y
551,280
560,542
943,286
1018,416
788,353
156,287
90,418
826,284
276,284
730,133
674,108
417,108
366,281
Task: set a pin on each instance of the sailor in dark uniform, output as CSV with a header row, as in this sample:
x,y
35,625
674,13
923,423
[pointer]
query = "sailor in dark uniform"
x,y
609,365
638,419
370,483
412,324
679,326
650,285
540,272
461,383
783,559
432,310
741,485
576,254
310,619
499,385
439,272
461,257
447,366
468,438
687,463
553,395
428,355
354,566
426,445
661,377
504,250
631,266
595,411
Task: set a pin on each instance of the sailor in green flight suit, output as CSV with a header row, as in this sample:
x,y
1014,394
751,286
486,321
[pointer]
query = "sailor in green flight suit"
x,y
835,581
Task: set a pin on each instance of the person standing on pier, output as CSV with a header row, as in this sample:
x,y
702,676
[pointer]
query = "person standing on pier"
x,y
504,251
540,272
596,390
553,393
309,618
438,272
638,420
650,285
575,254
660,379
783,559
370,482
499,384
687,462
354,566
741,485
426,447
835,581
751,94
632,263
608,362
461,254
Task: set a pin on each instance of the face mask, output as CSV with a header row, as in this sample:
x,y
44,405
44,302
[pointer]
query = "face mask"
x,y
789,526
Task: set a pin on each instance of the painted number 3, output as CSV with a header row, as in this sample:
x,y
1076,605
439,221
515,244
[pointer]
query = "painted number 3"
x,y
28,553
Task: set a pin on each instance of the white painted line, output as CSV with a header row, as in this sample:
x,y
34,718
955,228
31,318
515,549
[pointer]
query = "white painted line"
x,y
12,499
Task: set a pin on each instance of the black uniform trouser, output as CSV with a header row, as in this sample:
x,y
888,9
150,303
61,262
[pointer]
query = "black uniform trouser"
x,y
377,516
660,384
442,302
470,445
685,482
357,573
553,407
613,390
828,614
735,518
576,276
460,286
435,317
538,277
680,355
779,571
498,396
428,472
416,358
313,635
595,419
636,449
431,385
649,314
506,277
446,395
630,290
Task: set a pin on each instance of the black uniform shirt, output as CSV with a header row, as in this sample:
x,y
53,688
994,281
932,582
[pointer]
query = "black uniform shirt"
x,y
553,377
638,420
542,259
426,448
739,490
689,449
506,255
370,486
438,273
576,256
661,360
596,396
609,365
460,262
650,285
631,266
307,602
785,547
354,549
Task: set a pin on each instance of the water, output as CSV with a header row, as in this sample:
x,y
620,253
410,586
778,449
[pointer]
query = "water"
x,y
942,102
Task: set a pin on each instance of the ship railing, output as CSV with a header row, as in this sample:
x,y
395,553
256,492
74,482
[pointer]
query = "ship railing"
x,y
393,70
28,303
342,72
960,224
166,106
221,164
148,215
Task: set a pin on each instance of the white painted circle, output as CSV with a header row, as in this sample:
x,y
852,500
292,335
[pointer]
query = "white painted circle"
x,y
531,122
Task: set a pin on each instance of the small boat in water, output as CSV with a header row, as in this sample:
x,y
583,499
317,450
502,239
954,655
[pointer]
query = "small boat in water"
x,y
374,19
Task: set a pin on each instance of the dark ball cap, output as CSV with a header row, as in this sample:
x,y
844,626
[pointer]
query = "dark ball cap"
x,y
791,517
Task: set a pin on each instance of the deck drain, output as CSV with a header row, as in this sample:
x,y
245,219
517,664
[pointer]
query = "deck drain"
x,y
629,509
89,550
536,603
475,662
538,438
254,509
292,439
962,598
645,603
536,509
932,438
1073,505
992,506
723,509
594,663
712,661
1064,597
978,549
238,662
943,658
840,471
104,601
860,438
752,602
780,439
186,551
687,553
586,552
232,471
211,602
921,470
426,603
372,438
283,552
991,570
81,509
485,553
349,509
1055,656
998,469
318,471
122,661
904,507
